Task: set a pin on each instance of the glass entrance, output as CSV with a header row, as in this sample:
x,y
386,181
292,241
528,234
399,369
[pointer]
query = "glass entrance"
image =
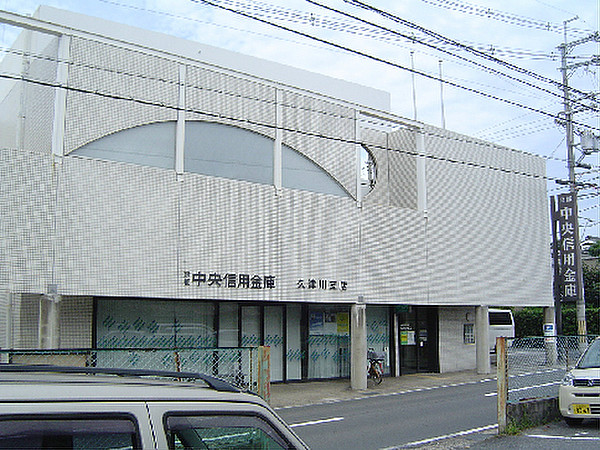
x,y
417,339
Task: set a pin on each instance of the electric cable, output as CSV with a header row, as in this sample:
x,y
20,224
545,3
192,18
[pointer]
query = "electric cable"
x,y
447,52
238,95
510,18
248,121
384,61
220,91
453,42
263,10
329,23
301,17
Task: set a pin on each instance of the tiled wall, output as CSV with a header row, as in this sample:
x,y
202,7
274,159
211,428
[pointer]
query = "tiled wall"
x,y
455,355
106,228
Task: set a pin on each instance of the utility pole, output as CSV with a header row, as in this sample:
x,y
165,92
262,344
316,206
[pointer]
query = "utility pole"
x,y
565,49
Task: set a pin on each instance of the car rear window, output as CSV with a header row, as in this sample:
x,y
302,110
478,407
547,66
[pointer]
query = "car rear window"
x,y
46,431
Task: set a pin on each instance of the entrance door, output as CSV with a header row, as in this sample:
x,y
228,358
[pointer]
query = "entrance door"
x,y
407,339
417,339
427,342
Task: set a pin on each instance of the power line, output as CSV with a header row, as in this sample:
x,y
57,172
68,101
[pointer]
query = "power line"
x,y
205,22
470,61
384,61
493,14
455,43
523,130
477,165
331,24
247,121
256,9
295,16
174,83
447,52
220,90
308,18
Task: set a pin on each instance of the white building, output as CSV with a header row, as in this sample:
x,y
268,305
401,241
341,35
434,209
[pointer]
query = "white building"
x,y
156,189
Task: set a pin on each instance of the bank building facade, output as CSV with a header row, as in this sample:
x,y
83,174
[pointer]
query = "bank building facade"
x,y
157,192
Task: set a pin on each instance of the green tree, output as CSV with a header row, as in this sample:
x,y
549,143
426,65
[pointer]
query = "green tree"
x,y
528,321
591,286
592,317
595,249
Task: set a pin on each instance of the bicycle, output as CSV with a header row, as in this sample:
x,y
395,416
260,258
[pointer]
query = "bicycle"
x,y
375,367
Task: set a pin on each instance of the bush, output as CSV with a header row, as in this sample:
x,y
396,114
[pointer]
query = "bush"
x,y
529,321
592,317
591,282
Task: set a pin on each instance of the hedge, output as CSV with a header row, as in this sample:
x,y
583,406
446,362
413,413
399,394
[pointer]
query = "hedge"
x,y
529,321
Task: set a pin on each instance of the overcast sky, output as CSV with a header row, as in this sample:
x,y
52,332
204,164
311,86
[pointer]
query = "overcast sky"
x,y
523,33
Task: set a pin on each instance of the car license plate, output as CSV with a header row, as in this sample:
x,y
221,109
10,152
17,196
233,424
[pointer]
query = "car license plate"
x,y
581,409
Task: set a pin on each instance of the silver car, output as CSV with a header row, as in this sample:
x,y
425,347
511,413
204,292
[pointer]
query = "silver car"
x,y
85,408
579,392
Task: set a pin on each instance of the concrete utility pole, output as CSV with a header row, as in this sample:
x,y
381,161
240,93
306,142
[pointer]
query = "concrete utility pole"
x,y
565,49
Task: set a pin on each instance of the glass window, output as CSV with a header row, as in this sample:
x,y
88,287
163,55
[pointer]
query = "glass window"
x,y
273,325
294,342
127,323
368,170
69,433
213,149
500,318
468,333
226,151
299,172
378,332
328,342
591,358
155,324
228,325
251,336
222,432
407,335
147,145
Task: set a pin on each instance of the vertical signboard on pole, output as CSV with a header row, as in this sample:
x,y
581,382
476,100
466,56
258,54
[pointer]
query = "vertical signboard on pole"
x,y
569,278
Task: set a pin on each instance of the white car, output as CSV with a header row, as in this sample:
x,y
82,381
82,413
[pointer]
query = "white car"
x,y
85,408
579,392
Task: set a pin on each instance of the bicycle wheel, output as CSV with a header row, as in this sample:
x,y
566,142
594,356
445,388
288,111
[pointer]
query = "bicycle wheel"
x,y
377,378
376,375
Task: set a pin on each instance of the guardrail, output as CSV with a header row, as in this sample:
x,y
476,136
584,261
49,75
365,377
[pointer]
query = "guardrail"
x,y
246,368
532,368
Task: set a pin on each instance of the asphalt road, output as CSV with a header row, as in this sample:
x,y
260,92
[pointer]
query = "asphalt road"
x,y
387,421
554,436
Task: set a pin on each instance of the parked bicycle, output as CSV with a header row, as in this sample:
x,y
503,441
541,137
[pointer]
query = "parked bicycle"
x,y
375,366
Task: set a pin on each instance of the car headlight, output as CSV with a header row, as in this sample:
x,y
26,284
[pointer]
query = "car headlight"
x,y
568,379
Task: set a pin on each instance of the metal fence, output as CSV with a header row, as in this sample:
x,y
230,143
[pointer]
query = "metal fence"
x,y
530,371
239,366
536,365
